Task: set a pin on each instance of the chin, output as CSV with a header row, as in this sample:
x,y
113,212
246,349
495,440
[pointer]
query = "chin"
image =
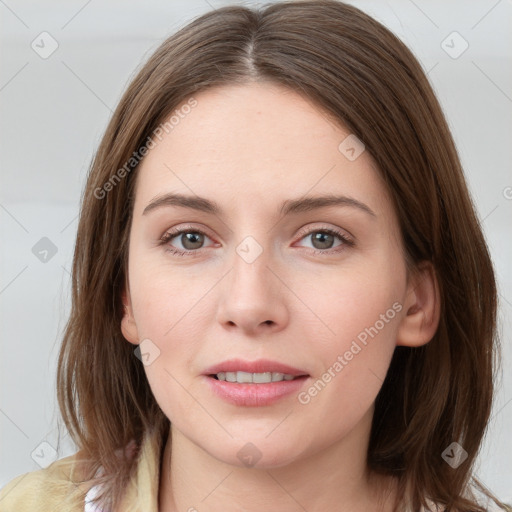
x,y
259,454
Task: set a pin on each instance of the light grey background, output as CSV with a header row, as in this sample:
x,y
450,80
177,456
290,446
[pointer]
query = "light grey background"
x,y
53,114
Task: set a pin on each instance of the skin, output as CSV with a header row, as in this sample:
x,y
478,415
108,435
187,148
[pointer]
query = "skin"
x,y
249,148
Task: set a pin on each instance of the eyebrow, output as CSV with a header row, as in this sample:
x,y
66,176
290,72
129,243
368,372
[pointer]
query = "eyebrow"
x,y
290,206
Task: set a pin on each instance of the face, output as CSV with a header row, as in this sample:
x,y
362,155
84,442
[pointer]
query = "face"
x,y
322,290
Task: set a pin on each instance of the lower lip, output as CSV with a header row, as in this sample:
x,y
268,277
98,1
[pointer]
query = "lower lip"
x,y
255,395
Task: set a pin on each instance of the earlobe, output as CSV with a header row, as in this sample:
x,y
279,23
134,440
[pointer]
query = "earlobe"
x,y
128,326
422,308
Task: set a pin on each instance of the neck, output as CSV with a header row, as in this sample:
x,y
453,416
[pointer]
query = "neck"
x,y
336,478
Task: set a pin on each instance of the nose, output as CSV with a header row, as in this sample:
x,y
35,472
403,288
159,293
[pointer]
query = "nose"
x,y
253,298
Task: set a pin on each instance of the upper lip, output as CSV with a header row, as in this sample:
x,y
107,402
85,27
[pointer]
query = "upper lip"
x,y
258,366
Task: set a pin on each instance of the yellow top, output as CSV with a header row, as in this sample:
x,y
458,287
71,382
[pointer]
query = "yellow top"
x,y
52,488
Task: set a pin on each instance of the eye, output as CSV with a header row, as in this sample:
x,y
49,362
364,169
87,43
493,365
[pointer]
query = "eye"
x,y
323,239
190,239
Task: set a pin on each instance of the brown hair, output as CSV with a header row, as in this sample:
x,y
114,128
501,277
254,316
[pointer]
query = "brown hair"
x,y
364,77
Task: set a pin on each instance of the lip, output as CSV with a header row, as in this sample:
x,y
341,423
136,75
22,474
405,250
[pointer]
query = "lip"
x,y
258,366
254,395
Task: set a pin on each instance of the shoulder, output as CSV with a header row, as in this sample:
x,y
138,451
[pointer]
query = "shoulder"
x,y
46,490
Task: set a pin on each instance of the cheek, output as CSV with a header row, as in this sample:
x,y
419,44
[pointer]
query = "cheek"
x,y
354,340
170,310
344,305
166,295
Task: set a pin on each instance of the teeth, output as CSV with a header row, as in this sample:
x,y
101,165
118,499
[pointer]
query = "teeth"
x,y
258,378
243,377
255,378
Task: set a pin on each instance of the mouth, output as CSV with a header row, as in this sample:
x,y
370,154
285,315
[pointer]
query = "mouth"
x,y
254,383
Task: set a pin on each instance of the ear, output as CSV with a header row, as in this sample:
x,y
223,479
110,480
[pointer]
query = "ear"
x,y
422,307
128,326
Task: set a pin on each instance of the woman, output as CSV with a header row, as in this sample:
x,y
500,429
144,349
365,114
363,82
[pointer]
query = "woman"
x,y
282,298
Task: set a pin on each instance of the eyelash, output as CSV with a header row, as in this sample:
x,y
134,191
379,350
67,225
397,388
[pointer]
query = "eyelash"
x,y
167,237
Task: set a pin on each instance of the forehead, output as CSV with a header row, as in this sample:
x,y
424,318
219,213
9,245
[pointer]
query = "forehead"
x,y
252,146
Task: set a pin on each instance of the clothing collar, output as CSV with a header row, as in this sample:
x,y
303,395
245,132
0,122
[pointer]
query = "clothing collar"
x,y
142,491
141,494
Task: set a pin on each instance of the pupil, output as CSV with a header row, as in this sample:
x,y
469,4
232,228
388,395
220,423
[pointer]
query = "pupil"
x,y
191,238
318,237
